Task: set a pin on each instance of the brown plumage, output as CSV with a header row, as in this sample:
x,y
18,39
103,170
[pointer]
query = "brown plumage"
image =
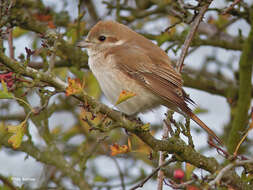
x,y
122,59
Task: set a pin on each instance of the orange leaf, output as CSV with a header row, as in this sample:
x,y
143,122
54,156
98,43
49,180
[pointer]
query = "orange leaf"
x,y
129,143
210,20
119,149
51,24
43,17
124,95
74,87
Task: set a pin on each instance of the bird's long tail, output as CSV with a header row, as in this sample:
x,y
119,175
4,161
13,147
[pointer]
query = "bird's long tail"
x,y
204,126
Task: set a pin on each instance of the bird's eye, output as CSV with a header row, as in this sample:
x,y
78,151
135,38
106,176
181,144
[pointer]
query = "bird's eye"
x,y
101,38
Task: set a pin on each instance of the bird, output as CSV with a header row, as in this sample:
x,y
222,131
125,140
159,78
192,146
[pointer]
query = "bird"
x,y
121,59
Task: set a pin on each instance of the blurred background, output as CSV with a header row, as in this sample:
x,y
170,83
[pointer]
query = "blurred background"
x,y
211,77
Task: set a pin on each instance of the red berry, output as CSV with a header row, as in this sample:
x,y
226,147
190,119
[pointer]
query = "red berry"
x,y
178,174
191,187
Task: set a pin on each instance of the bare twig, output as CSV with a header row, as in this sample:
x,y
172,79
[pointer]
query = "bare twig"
x,y
122,181
228,9
190,35
246,134
212,30
185,6
160,176
174,185
92,10
85,155
228,167
167,122
153,173
172,26
10,43
219,150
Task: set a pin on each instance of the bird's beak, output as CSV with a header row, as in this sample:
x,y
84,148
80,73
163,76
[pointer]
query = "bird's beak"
x,y
83,44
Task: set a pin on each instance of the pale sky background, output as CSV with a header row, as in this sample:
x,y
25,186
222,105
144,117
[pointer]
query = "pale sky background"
x,y
218,115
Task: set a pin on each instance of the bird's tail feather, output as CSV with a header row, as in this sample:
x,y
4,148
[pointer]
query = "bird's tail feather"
x,y
204,126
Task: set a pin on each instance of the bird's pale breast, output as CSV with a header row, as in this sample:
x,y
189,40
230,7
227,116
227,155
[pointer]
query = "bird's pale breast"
x,y
113,82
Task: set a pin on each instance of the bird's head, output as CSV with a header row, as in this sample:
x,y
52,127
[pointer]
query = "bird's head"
x,y
104,35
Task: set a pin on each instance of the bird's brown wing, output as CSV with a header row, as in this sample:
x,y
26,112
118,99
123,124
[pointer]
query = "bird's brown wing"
x,y
158,76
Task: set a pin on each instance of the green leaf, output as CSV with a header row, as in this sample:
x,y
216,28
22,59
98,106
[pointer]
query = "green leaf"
x,y
199,110
4,94
162,38
189,170
61,72
3,130
18,133
77,72
146,127
18,32
92,87
71,35
99,178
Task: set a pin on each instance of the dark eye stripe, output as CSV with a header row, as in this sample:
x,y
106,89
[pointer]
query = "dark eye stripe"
x,y
112,39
